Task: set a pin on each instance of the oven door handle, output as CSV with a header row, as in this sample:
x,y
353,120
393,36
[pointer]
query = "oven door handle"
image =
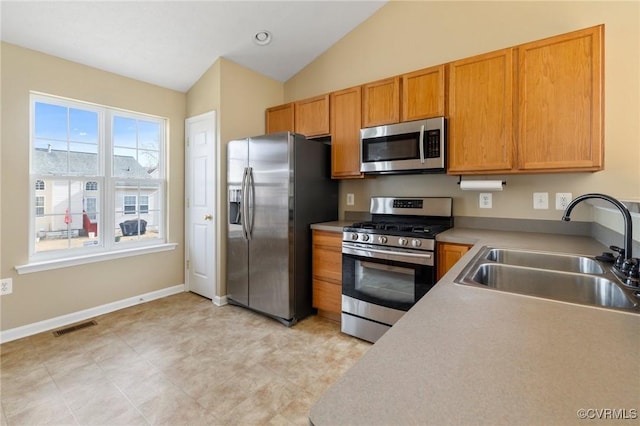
x,y
416,258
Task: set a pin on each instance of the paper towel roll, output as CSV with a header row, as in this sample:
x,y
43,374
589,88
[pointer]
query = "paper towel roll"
x,y
481,185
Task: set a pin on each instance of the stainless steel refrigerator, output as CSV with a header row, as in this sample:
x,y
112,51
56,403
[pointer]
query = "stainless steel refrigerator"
x,y
278,185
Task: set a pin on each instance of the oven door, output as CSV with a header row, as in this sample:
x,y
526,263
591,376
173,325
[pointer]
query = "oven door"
x,y
394,279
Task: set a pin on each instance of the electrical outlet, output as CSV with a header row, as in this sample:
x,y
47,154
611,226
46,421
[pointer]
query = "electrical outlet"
x,y
540,200
562,200
351,199
486,200
6,286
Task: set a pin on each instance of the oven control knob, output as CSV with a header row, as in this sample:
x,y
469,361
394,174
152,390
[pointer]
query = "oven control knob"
x,y
416,243
354,236
365,237
402,241
382,239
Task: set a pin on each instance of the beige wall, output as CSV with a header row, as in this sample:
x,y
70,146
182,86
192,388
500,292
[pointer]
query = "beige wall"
x,y
240,97
45,295
408,35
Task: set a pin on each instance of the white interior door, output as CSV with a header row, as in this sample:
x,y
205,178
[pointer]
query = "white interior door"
x,y
200,220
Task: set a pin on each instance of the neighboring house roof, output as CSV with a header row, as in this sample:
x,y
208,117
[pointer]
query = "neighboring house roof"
x,y
84,163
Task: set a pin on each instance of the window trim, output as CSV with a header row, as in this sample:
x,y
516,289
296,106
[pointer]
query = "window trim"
x,y
66,262
108,246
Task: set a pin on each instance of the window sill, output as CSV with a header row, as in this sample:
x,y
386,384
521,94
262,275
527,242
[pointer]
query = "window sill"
x,y
98,257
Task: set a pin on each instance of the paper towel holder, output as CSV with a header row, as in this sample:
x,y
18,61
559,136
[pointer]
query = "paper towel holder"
x,y
490,185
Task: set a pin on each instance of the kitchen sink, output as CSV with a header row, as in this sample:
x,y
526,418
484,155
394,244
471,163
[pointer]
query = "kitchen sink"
x,y
554,261
555,276
568,287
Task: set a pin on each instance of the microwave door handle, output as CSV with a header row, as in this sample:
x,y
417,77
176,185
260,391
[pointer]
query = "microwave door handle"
x,y
422,144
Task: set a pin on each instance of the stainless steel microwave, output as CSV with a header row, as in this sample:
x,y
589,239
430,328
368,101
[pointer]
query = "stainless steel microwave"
x,y
411,147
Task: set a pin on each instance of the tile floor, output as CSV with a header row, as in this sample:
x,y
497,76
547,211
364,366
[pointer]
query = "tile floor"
x,y
179,360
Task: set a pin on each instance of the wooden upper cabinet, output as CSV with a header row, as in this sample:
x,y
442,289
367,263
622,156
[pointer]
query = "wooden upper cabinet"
x,y
346,119
561,106
280,118
481,113
381,102
423,94
312,116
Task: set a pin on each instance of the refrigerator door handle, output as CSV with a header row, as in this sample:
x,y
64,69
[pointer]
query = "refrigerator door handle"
x,y
251,195
244,203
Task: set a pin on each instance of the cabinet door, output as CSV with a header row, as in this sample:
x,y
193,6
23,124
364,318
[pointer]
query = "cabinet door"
x,y
561,108
312,116
423,94
381,102
448,255
346,119
327,271
280,119
481,114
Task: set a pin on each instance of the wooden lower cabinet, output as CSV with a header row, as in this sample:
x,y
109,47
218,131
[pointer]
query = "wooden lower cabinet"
x,y
448,255
327,273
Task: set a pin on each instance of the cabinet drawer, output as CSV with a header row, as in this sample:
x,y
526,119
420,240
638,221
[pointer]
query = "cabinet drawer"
x,y
327,264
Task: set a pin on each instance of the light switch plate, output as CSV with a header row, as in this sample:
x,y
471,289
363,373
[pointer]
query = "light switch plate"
x,y
350,199
540,200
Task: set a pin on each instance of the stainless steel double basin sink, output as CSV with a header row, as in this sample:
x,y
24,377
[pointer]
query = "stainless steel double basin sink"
x,y
556,276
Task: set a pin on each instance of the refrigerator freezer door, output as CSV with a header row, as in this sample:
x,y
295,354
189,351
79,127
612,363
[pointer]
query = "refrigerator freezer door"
x,y
237,244
270,286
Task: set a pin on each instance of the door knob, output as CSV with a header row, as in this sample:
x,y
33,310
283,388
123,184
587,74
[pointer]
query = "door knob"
x,y
208,217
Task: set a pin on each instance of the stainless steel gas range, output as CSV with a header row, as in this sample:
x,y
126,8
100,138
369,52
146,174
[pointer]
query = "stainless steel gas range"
x,y
388,263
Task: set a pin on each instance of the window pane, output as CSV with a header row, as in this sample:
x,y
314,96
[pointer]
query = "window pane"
x,y
124,132
139,218
50,121
61,219
83,126
150,161
149,135
53,153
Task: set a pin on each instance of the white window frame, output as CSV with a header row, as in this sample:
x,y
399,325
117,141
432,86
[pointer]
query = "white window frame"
x,y
108,247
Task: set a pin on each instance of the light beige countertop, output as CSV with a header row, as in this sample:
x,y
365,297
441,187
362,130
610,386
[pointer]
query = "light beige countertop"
x,y
465,355
335,226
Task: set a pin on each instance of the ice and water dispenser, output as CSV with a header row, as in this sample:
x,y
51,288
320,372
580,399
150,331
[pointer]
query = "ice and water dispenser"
x,y
235,206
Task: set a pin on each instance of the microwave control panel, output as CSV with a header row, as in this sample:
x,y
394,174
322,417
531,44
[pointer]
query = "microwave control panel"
x,y
432,143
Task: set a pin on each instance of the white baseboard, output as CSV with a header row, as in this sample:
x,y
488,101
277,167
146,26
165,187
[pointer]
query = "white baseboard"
x,y
50,324
220,300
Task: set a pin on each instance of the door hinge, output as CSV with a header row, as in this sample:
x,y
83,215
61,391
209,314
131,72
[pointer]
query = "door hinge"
x,y
188,264
188,203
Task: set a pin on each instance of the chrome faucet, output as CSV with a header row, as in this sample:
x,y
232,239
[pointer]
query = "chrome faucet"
x,y
627,255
